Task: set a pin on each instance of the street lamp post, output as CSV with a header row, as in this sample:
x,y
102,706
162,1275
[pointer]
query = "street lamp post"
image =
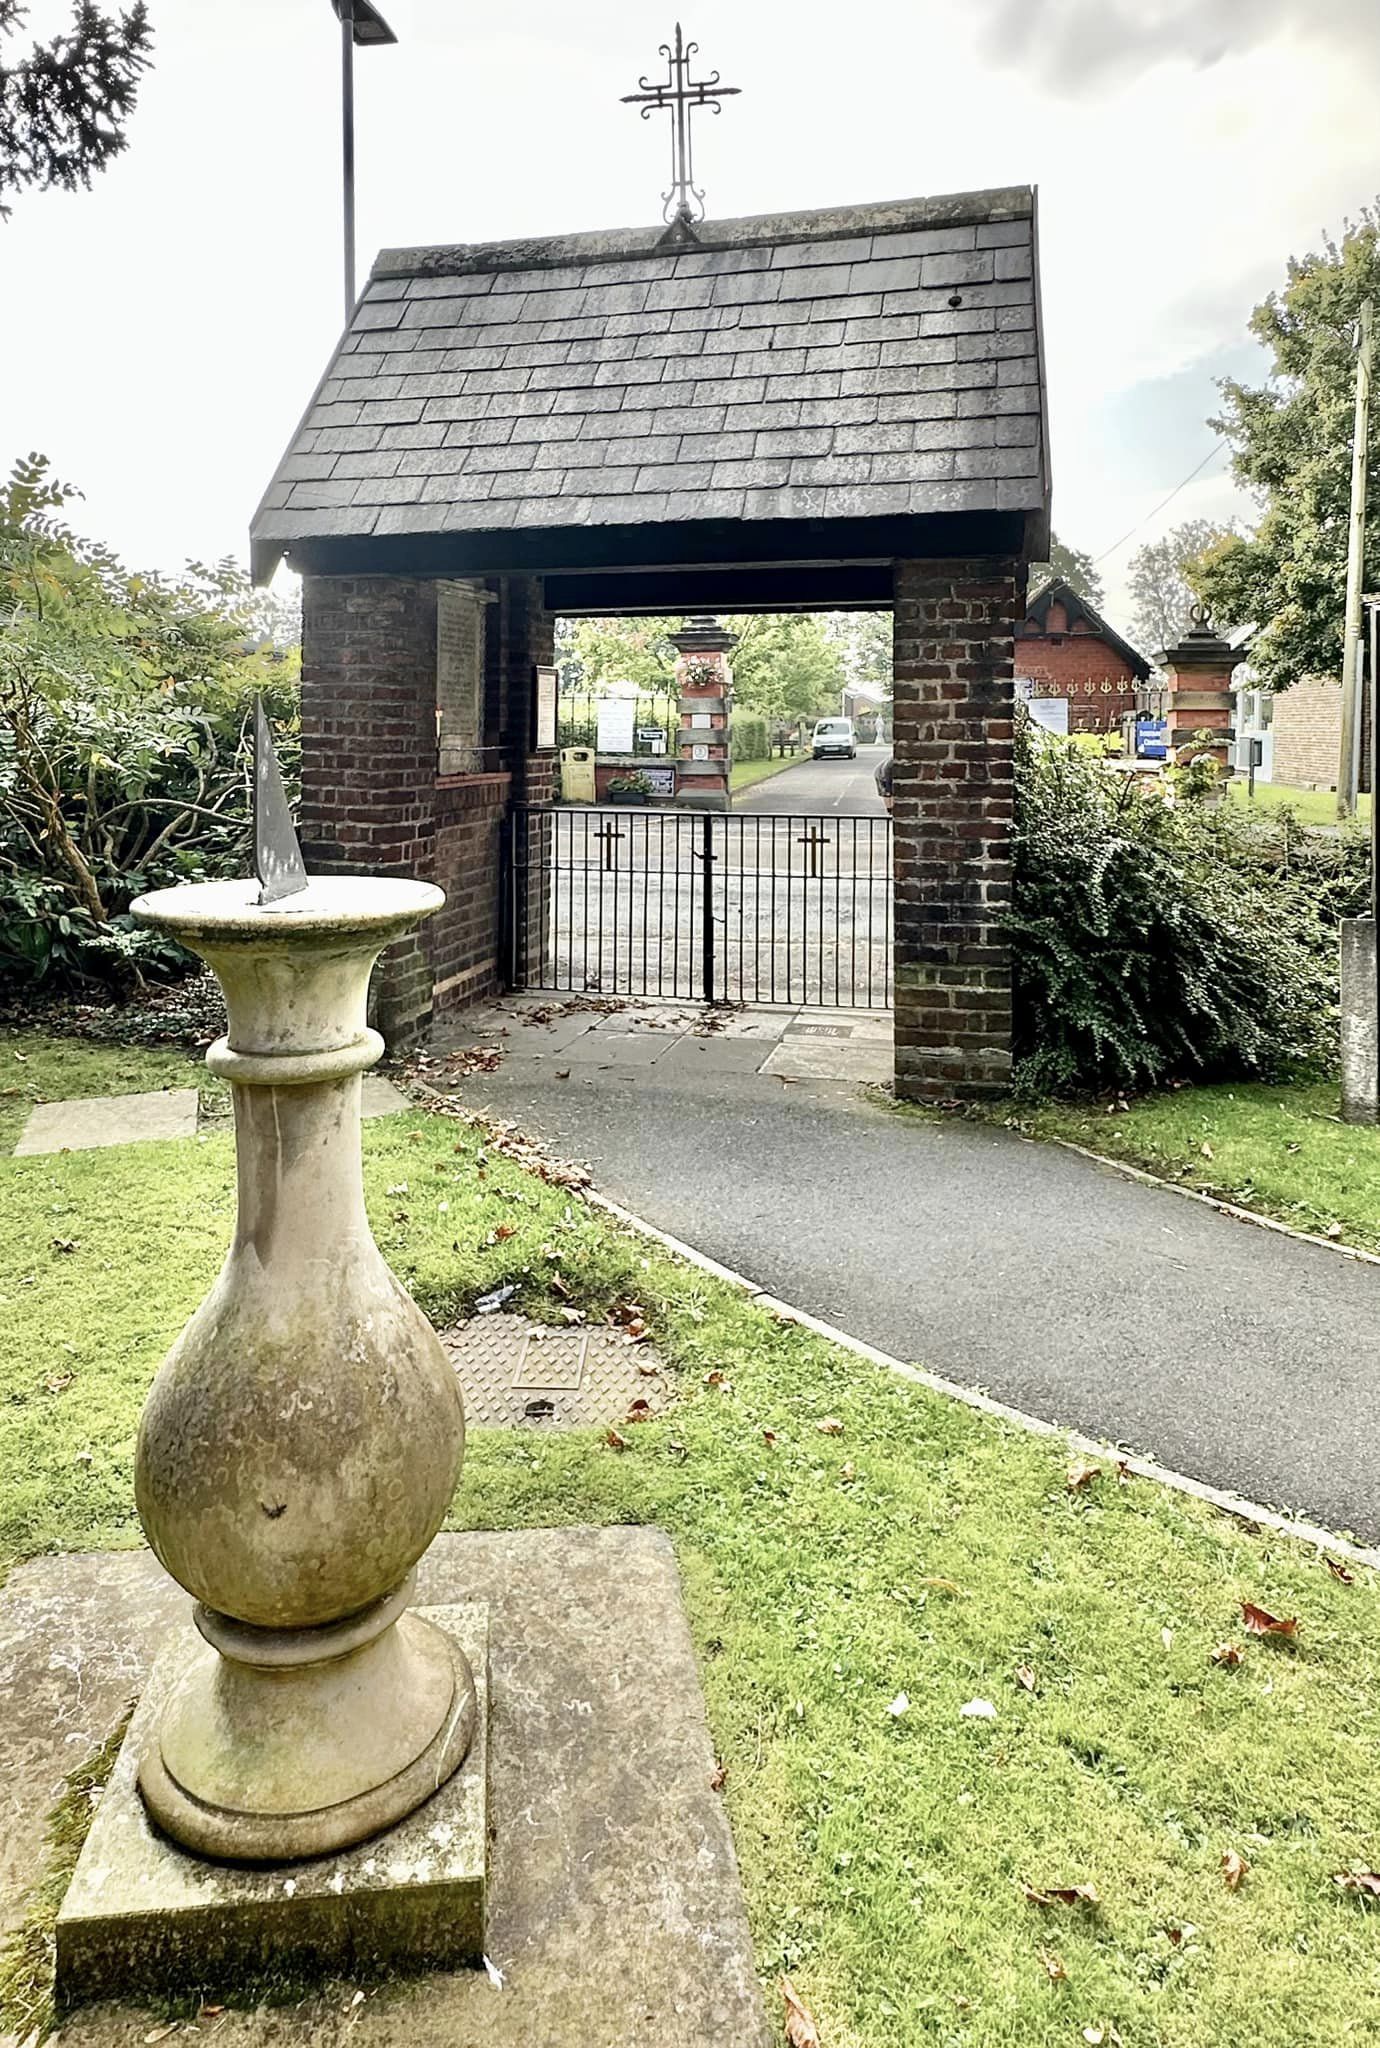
x,y
360,22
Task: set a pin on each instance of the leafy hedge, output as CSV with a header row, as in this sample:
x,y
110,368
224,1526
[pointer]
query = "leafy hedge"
x,y
124,749
1154,943
748,737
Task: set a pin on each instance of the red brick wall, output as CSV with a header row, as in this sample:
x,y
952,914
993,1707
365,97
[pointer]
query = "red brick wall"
x,y
1099,683
953,810
1307,726
371,800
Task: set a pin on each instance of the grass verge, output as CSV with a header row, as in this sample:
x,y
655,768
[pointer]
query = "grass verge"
x,y
1314,806
862,1559
743,774
1282,1151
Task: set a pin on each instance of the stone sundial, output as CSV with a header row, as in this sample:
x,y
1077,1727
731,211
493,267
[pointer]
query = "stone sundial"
x,y
301,1444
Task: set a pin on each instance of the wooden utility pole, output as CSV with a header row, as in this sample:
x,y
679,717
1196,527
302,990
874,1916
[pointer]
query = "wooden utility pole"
x,y
1349,765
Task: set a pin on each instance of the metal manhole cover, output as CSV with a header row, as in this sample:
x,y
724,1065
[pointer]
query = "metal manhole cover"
x,y
515,1373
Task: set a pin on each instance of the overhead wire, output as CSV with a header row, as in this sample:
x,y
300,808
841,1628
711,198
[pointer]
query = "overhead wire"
x,y
1142,523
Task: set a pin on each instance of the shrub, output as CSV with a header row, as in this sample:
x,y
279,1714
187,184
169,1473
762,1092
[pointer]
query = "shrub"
x,y
124,752
1153,943
749,739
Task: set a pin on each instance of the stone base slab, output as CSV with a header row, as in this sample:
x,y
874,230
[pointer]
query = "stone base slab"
x,y
615,1912
145,1915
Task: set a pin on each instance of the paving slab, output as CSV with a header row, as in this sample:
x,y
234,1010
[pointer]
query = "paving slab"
x,y
716,1054
618,1049
830,1059
616,1916
87,1123
379,1097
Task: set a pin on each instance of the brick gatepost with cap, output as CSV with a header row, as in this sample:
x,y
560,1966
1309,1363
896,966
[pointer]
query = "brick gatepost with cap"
x,y
705,682
1198,674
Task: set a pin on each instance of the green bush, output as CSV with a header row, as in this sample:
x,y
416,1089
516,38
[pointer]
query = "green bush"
x,y
748,737
124,750
1154,943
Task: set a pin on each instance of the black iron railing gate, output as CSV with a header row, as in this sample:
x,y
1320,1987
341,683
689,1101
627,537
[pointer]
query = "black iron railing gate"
x,y
700,905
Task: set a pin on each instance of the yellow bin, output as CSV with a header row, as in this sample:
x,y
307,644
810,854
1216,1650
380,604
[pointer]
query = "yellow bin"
x,y
577,775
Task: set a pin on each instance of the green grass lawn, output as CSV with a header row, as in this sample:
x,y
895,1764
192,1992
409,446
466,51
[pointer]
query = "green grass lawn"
x,y
1314,806
743,774
36,1067
917,1549
1281,1150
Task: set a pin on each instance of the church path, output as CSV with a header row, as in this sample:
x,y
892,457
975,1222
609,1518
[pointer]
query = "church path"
x,y
1241,1357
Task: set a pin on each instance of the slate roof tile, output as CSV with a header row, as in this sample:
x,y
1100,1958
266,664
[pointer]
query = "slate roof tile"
x,y
789,367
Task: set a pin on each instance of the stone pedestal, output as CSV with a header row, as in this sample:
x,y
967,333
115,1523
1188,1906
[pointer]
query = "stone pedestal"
x,y
303,1439
705,682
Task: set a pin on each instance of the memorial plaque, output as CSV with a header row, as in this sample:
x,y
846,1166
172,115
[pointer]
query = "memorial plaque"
x,y
459,678
546,709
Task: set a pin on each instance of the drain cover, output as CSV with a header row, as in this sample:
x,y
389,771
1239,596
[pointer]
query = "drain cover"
x,y
819,1031
515,1373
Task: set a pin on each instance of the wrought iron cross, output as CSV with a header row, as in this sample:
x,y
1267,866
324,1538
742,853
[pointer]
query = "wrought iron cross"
x,y
609,836
814,839
681,94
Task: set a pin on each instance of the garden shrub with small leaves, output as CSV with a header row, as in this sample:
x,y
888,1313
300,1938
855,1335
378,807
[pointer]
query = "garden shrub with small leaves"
x,y
1155,942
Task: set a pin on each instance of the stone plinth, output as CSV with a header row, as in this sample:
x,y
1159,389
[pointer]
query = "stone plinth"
x,y
1359,1040
145,1915
614,1909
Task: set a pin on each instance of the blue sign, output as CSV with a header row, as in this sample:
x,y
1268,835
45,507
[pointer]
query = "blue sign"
x,y
1150,739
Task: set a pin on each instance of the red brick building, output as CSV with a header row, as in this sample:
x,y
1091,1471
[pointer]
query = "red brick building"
x,y
1066,652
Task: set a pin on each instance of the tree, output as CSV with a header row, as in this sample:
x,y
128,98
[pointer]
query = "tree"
x,y
786,666
124,751
1291,442
865,645
594,654
63,108
1071,566
1161,586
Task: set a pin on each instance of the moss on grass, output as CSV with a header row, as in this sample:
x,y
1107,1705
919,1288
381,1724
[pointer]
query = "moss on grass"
x,y
922,1549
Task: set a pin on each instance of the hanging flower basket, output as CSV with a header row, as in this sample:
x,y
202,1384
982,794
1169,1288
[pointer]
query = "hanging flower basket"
x,y
701,674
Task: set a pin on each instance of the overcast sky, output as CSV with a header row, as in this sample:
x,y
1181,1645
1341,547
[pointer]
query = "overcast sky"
x,y
160,335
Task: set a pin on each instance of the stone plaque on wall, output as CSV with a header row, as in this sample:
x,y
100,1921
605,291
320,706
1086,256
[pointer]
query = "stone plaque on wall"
x,y
459,678
546,708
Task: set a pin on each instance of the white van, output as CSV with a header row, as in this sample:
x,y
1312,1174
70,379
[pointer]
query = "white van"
x,y
834,736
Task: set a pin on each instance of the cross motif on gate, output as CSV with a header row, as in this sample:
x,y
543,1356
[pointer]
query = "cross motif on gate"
x,y
814,839
681,94
608,834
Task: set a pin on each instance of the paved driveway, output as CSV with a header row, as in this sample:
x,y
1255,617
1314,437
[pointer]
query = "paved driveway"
x,y
843,789
1243,1358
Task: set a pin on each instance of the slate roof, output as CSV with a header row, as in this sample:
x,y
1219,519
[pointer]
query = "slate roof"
x,y
852,363
1036,622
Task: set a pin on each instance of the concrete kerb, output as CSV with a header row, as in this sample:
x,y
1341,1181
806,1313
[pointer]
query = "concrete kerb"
x,y
1143,1468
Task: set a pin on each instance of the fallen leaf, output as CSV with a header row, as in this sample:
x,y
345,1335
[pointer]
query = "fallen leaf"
x,y
1123,1472
1027,1678
562,1073
1334,1230
560,1285
493,1973
1167,1638
65,1244
614,1441
1081,1474
1358,1881
572,1315
1234,1868
847,1474
949,1586
160,2033
1227,1655
59,1383
718,1777
1060,1895
1053,1967
679,1452
900,1705
1205,1149
639,1410
210,2012
801,2031
1338,1569
717,1378
503,1231
769,1436
831,1426
1259,1623
977,1710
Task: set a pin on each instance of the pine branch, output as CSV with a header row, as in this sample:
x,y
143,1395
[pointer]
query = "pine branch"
x,y
64,108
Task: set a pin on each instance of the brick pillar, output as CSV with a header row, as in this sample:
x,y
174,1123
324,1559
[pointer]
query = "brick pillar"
x,y
1198,693
705,682
369,757
953,810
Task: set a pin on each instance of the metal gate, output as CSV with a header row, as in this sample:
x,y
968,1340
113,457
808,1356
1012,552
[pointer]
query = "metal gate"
x,y
700,905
